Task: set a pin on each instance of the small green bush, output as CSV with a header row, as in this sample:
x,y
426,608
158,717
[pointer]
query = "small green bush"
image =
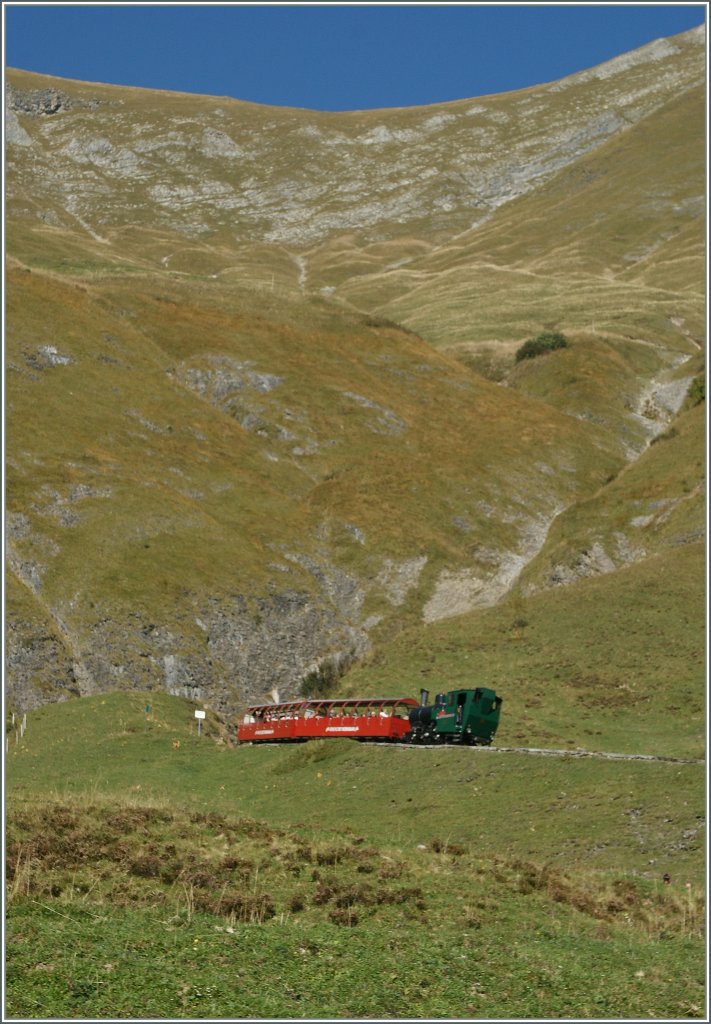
x,y
542,343
697,391
666,436
321,681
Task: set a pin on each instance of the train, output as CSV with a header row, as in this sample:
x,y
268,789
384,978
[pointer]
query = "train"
x,y
464,717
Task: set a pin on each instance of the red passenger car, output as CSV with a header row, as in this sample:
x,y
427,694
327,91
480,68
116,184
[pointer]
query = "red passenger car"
x,y
379,718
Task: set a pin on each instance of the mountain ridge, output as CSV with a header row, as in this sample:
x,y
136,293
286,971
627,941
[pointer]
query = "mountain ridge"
x,y
469,122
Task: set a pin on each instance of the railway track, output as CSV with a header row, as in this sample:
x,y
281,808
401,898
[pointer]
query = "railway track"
x,y
541,752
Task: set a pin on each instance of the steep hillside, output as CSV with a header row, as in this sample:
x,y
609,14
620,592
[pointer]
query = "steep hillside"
x,y
250,430
200,495
656,505
601,245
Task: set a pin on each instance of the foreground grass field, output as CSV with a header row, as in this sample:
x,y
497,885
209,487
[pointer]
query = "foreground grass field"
x,y
152,872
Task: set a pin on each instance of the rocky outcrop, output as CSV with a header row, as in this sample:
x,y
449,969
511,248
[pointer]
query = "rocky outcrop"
x,y
458,591
231,652
15,134
39,669
43,102
276,642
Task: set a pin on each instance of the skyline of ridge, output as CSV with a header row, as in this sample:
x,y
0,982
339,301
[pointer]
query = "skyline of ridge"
x,y
332,57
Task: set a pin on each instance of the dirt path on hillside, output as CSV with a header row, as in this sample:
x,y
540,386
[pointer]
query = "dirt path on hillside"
x,y
541,752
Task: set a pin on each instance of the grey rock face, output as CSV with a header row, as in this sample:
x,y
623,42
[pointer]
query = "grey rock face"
x,y
223,378
593,562
17,526
275,643
60,506
237,388
37,101
39,669
15,134
242,649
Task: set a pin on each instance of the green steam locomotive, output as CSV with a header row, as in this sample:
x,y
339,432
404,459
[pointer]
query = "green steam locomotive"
x,y
460,716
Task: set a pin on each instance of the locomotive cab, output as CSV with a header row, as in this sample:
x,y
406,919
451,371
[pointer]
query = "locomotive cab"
x,y
460,716
470,716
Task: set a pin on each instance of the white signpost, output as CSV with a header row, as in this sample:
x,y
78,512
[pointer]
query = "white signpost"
x,y
199,715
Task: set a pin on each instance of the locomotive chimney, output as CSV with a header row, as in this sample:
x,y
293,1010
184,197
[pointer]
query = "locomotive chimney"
x,y
424,697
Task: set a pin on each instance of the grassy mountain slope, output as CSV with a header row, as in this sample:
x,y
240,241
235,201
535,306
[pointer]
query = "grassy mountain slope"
x,y
188,457
222,476
601,246
613,662
214,171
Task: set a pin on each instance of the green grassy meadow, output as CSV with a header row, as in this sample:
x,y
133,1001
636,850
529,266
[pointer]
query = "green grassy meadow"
x,y
611,663
155,872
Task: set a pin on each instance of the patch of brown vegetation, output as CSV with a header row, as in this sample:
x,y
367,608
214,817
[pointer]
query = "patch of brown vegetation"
x,y
205,862
627,899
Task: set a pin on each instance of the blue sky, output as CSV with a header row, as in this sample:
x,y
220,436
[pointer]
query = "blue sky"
x,y
332,56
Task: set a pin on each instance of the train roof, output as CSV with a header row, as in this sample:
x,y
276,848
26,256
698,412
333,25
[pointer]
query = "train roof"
x,y
351,702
